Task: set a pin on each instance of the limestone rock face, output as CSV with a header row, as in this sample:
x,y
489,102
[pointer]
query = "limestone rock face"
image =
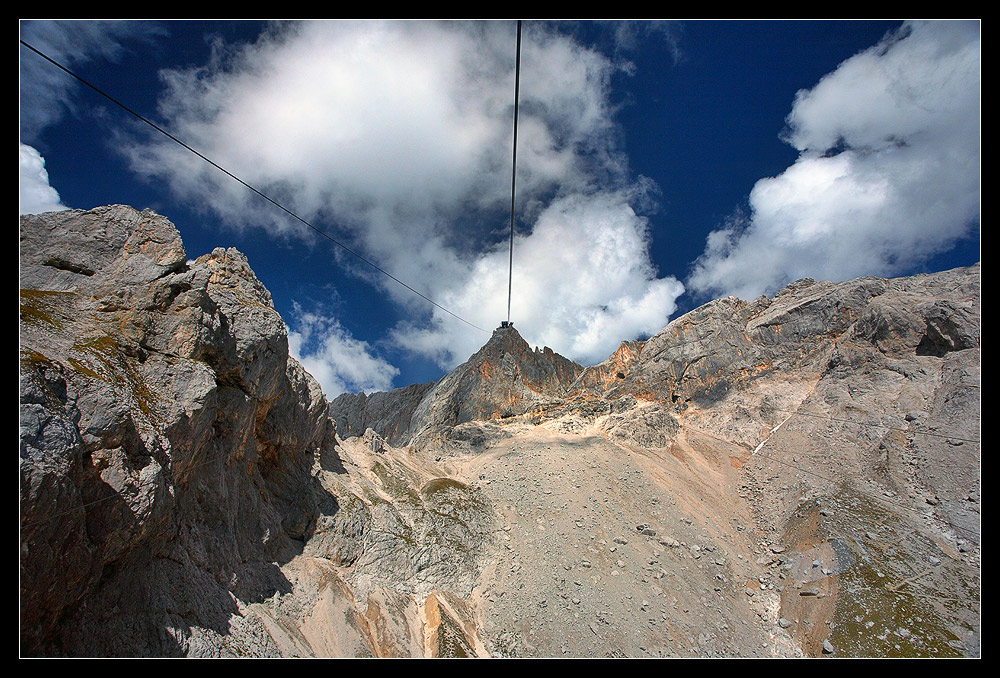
x,y
729,344
387,413
503,379
175,462
183,435
766,478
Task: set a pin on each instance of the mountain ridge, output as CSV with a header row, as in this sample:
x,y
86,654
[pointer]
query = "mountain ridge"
x,y
502,379
186,489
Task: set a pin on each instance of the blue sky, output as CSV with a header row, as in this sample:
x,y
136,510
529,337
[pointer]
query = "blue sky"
x,y
659,165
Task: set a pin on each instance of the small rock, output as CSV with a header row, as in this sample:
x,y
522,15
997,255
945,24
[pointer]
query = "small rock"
x,y
784,623
828,647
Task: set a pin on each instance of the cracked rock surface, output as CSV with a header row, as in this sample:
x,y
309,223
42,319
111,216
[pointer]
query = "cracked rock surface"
x,y
794,476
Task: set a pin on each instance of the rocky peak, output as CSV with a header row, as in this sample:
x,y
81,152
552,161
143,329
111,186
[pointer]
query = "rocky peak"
x,y
505,339
504,378
542,369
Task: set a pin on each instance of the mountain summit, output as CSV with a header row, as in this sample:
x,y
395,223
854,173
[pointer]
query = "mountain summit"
x,y
505,378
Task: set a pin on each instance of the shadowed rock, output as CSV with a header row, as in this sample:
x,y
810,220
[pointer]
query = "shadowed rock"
x,y
183,491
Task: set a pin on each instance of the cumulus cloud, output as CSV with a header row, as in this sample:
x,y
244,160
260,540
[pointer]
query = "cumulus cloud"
x,y
363,118
338,361
35,195
45,90
396,137
887,173
583,281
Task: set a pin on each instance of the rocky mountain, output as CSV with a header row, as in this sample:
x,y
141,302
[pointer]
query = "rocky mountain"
x,y
505,378
790,476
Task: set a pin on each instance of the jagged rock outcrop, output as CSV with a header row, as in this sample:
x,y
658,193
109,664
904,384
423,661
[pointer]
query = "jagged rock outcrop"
x,y
388,413
728,344
175,463
184,436
505,378
774,478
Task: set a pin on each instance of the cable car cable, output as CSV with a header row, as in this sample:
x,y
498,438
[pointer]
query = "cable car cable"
x,y
513,169
258,192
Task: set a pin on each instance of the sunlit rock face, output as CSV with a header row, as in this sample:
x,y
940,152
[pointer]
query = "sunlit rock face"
x,y
782,477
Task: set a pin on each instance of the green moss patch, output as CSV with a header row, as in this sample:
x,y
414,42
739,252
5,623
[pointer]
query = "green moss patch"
x,y
442,484
103,358
41,306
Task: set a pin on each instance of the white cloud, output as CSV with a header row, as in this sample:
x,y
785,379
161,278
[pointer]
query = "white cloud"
x,y
583,281
887,175
338,361
45,91
397,136
385,123
35,195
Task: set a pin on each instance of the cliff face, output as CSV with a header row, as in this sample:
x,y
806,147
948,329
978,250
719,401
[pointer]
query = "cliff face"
x,y
389,414
166,438
729,344
504,378
782,477
175,462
